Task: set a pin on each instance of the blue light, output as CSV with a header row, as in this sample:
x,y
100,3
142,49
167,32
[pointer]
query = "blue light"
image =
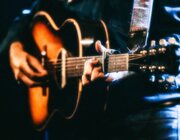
x,y
174,11
26,11
152,78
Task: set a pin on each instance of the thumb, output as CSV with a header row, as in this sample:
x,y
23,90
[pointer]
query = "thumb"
x,y
99,47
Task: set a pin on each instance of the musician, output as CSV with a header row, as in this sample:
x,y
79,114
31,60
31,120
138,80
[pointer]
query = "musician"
x,y
134,109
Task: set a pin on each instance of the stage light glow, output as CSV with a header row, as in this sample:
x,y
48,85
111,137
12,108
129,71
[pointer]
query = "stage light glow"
x,y
26,11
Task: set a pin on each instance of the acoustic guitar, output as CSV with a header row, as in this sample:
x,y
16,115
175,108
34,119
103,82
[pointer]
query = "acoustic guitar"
x,y
63,51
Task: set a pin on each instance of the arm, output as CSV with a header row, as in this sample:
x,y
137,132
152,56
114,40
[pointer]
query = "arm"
x,y
14,56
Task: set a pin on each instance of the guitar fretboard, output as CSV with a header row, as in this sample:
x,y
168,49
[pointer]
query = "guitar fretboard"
x,y
75,65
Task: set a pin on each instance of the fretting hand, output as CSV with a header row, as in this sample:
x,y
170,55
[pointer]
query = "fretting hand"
x,y
93,70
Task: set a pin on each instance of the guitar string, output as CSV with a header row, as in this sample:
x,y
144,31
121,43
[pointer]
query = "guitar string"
x,y
80,68
59,68
89,57
80,60
116,65
79,73
79,64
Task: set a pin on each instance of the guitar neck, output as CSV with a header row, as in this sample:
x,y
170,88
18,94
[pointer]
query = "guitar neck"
x,y
75,65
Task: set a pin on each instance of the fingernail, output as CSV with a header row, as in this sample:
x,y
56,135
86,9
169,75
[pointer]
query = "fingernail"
x,y
43,71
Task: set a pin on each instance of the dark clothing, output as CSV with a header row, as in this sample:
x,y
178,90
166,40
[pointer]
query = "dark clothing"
x,y
135,109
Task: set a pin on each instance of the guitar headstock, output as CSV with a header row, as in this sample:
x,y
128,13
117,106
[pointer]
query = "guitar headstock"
x,y
163,57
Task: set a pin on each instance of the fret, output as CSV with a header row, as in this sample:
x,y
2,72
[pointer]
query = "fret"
x,y
118,63
78,70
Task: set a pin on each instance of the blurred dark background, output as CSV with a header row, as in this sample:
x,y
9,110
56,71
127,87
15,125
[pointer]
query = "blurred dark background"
x,y
9,9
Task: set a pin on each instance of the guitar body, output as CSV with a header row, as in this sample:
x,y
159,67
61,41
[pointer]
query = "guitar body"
x,y
72,39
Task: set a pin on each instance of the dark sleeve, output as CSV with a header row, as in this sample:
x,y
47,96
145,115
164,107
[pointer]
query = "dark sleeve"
x,y
117,18
94,98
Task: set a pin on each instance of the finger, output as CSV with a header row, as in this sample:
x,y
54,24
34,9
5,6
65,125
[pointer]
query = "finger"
x,y
87,73
85,80
16,73
109,79
33,75
94,61
35,64
26,80
28,71
98,46
88,67
97,74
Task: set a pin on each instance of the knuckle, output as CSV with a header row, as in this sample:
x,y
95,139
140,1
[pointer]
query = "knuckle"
x,y
32,75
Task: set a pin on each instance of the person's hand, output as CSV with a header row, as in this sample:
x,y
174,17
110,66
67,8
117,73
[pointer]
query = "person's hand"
x,y
93,70
26,68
